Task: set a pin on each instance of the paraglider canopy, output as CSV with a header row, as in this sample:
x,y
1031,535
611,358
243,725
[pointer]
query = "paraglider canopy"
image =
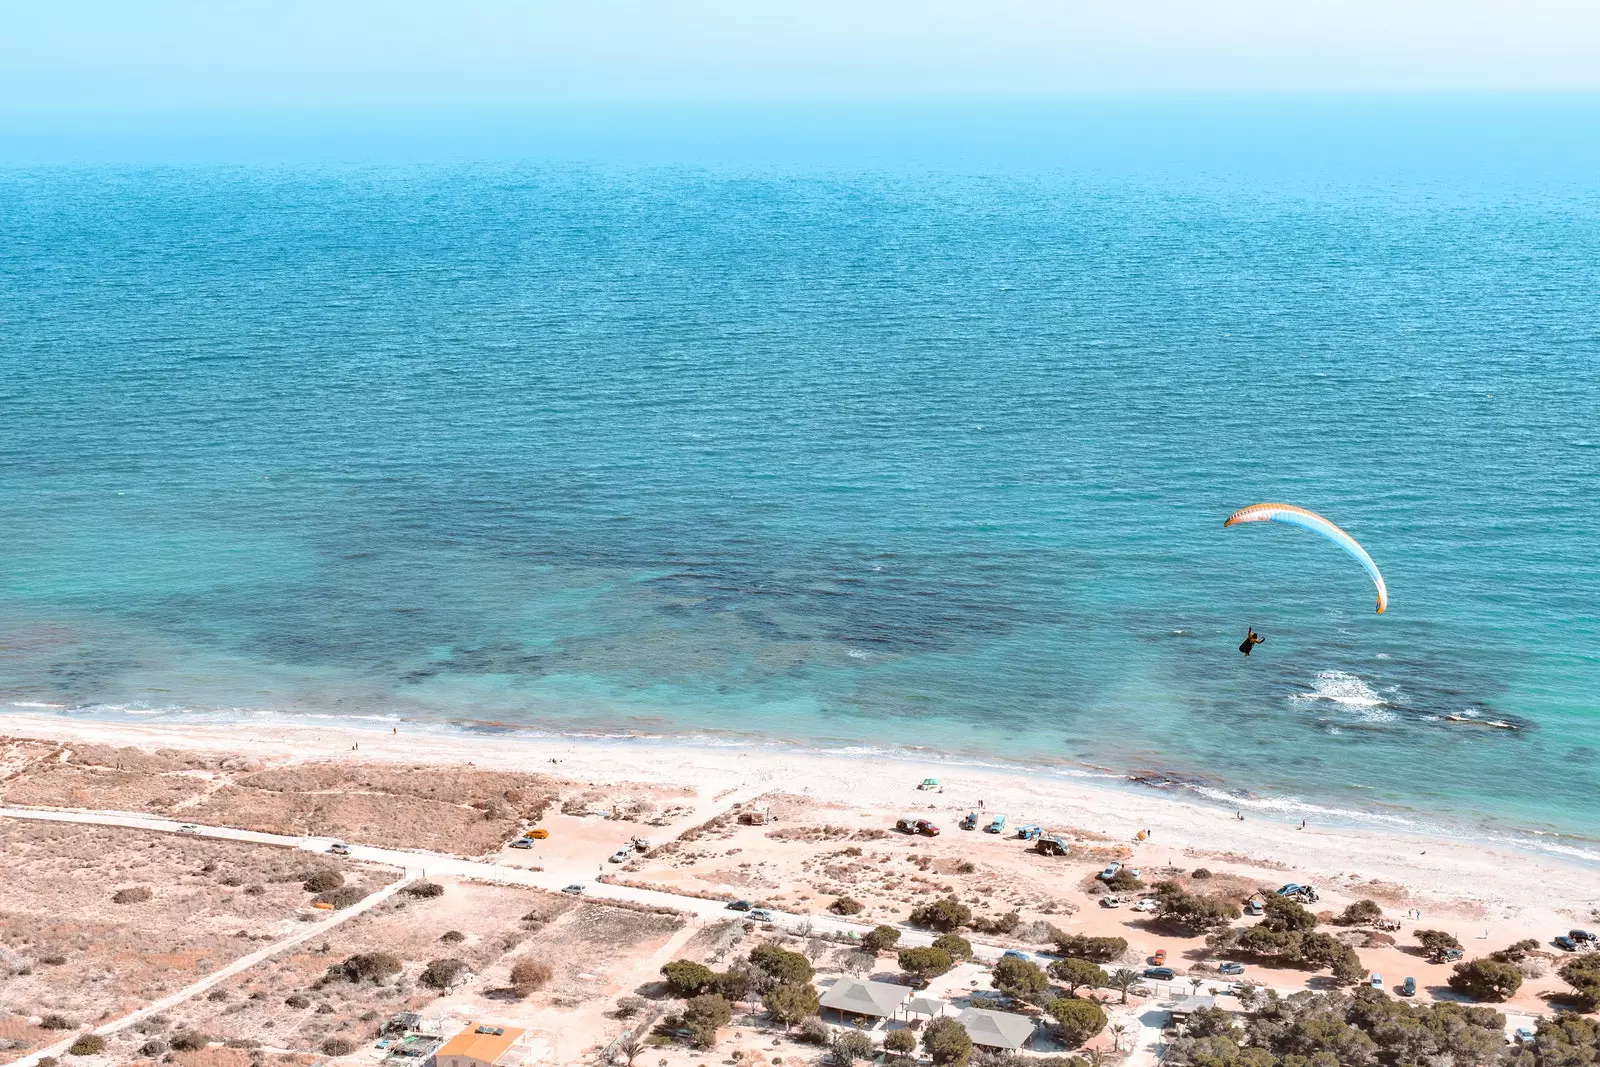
x,y
1310,520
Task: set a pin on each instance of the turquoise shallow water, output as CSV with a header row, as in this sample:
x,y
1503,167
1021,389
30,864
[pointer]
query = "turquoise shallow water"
x,y
860,455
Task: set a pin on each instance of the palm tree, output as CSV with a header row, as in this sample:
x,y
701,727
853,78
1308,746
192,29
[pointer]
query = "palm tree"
x,y
1117,1030
631,1049
1195,983
1122,978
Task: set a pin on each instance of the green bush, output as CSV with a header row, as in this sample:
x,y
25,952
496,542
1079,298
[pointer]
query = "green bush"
x,y
1583,975
1074,974
1076,1020
924,964
338,1046
945,915
322,881
1084,947
686,978
87,1045
781,964
947,1042
442,974
900,1042
189,1041
846,906
957,946
1486,980
367,966
1018,978
791,1003
55,1022
880,939
136,895
1361,913
342,897
424,890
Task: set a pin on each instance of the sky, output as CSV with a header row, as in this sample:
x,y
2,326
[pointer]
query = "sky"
x,y
90,57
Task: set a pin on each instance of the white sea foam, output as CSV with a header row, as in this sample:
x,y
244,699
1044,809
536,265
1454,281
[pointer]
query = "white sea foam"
x,y
856,653
1342,687
34,704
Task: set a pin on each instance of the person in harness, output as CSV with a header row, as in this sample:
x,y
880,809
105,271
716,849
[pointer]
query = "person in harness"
x,y
1251,640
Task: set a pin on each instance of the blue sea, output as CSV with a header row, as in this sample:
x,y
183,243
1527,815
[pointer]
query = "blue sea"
x,y
868,433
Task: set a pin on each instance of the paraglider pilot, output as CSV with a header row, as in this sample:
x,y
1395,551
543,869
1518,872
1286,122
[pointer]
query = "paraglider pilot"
x,y
1251,640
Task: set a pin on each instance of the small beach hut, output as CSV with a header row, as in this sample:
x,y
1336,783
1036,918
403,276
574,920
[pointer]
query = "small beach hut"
x,y
878,1000
932,1007
996,1029
1186,1007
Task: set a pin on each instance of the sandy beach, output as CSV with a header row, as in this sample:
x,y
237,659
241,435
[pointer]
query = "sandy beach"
x,y
1487,880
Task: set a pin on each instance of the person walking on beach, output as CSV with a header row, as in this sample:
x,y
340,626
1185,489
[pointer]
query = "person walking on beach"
x,y
1251,640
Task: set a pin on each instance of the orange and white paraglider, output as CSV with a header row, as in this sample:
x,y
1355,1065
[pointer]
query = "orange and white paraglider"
x,y
1310,520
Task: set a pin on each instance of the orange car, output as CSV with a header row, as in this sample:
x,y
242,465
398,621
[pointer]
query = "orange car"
x,y
540,834
1160,957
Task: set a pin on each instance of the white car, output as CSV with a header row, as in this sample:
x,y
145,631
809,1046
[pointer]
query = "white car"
x,y
761,915
622,855
188,828
1146,904
1110,901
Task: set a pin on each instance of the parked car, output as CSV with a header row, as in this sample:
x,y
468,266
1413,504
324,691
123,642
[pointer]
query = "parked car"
x,y
1231,968
739,905
1582,936
1377,980
929,783
969,821
1147,904
622,855
906,824
576,889
1029,832
1566,944
339,848
1014,954
1165,974
996,824
1449,955
1111,900
1525,1035
926,828
1254,907
522,842
1408,988
538,833
1160,957
1051,846
1110,872
642,844
761,915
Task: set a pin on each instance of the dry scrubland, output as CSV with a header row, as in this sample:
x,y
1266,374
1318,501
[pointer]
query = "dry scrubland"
x,y
452,808
95,922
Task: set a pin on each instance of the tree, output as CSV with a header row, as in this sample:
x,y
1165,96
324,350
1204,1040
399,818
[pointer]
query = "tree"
x,y
1076,1020
1361,913
1284,915
924,964
1192,911
850,1045
1516,952
1567,1040
529,976
785,966
958,947
734,986
1076,973
1213,1022
1117,1030
1122,980
1018,978
947,1042
858,963
945,915
1436,941
845,906
791,1003
632,1049
1084,947
367,966
900,1042
442,974
1124,881
880,939
705,1015
87,1045
1486,979
322,881
1583,975
686,978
